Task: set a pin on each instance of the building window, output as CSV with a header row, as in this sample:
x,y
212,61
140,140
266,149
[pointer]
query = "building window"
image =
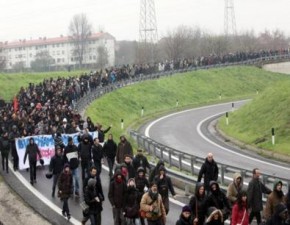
x,y
58,60
63,52
71,59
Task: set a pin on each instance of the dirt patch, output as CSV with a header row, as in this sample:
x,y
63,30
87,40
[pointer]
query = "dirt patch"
x,y
14,211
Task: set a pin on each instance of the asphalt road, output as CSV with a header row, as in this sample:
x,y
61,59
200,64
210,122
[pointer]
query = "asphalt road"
x,y
187,131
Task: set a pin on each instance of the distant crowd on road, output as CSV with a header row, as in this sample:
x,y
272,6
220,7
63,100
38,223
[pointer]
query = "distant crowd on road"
x,y
49,108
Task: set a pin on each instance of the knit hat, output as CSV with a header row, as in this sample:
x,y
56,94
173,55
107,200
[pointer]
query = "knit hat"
x,y
92,182
186,208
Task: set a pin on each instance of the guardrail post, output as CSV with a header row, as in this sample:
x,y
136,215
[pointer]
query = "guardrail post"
x,y
223,168
169,157
180,156
192,163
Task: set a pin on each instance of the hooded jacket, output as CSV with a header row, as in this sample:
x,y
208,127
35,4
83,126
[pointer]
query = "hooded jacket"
x,y
234,189
164,185
117,190
155,170
277,218
273,199
198,202
32,151
210,215
209,170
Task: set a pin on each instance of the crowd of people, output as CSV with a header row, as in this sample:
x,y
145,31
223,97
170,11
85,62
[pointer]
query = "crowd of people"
x,y
49,108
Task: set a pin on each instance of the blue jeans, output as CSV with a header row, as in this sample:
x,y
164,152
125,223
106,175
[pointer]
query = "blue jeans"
x,y
75,174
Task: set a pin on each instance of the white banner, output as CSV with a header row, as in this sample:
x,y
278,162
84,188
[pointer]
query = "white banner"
x,y
46,146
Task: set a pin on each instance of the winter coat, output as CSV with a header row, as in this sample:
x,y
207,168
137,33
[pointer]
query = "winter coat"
x,y
4,146
233,189
85,151
131,171
97,151
218,200
117,191
65,185
141,183
101,134
238,215
140,161
273,199
210,215
198,202
56,164
208,170
32,151
255,190
164,185
124,148
110,149
71,156
132,205
99,187
146,203
184,221
276,219
155,171
90,195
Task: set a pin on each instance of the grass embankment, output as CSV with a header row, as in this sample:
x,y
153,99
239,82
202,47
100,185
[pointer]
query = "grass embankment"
x,y
11,83
253,123
191,89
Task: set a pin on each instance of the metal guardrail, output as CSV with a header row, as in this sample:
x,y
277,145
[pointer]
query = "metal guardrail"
x,y
183,161
191,164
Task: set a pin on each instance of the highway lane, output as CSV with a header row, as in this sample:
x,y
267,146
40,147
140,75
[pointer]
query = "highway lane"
x,y
183,131
44,188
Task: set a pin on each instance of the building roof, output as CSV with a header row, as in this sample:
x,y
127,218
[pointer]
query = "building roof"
x,y
49,41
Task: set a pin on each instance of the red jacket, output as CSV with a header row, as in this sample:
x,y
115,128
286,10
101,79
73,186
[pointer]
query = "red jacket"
x,y
237,215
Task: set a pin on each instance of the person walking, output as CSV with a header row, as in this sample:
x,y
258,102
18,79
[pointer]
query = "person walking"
x,y
164,185
32,151
55,167
131,208
185,216
209,171
65,187
12,138
94,198
71,156
151,203
110,149
276,197
124,148
97,152
5,149
280,217
197,204
117,196
85,151
235,188
240,214
140,161
214,216
255,191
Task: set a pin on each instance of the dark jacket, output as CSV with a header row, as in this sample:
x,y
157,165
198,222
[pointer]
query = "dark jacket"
x,y
210,171
71,156
4,146
155,171
32,151
255,190
164,185
124,148
184,221
218,199
140,161
89,196
97,151
131,171
56,164
85,151
141,183
131,203
65,185
197,204
98,186
110,149
117,191
277,218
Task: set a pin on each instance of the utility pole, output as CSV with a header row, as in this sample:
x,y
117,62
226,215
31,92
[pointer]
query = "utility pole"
x,y
230,19
148,36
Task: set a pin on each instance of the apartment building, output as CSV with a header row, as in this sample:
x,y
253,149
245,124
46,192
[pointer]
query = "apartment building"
x,y
59,48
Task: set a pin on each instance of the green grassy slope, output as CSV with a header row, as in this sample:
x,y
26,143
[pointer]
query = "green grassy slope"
x,y
253,123
191,89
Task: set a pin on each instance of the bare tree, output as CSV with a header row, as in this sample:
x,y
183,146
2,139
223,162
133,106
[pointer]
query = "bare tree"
x,y
80,30
102,60
42,62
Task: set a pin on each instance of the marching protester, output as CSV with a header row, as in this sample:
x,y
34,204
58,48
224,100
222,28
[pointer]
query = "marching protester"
x,y
55,167
197,204
132,205
140,161
110,149
12,136
154,172
101,132
94,197
71,156
214,216
152,206
273,199
240,214
234,188
280,216
130,168
209,171
164,185
97,152
32,151
65,187
85,151
117,196
124,148
185,216
255,191
5,149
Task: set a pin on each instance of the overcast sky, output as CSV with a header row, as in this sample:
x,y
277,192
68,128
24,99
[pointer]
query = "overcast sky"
x,y
25,19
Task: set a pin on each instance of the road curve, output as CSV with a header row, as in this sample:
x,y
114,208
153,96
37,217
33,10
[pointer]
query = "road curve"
x,y
185,131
